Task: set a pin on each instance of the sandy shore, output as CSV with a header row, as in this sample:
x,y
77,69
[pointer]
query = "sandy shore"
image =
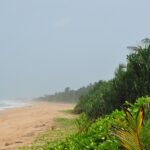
x,y
20,126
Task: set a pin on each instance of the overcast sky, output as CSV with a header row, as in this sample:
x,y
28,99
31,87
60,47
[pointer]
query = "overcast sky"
x,y
47,45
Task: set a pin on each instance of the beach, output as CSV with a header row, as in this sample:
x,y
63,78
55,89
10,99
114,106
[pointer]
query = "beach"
x,y
20,126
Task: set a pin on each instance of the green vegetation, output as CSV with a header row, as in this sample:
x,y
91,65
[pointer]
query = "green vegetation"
x,y
130,82
68,96
94,103
103,125
103,134
129,137
100,134
62,128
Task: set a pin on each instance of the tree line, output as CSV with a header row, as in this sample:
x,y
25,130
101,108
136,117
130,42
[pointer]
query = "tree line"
x,y
68,95
130,82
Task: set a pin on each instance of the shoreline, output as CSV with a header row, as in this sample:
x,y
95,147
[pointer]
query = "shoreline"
x,y
12,104
20,126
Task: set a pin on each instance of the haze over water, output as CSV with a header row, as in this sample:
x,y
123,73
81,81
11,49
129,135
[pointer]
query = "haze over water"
x,y
11,103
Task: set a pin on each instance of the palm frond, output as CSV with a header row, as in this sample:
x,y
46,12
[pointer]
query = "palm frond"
x,y
129,136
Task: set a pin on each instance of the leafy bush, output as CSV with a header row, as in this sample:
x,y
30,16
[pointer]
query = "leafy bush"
x,y
145,134
99,134
83,123
94,103
129,136
129,83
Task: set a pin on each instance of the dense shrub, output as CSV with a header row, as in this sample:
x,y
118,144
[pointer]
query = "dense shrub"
x,y
99,134
130,82
94,102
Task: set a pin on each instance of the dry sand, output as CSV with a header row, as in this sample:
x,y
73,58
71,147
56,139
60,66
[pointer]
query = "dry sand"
x,y
20,126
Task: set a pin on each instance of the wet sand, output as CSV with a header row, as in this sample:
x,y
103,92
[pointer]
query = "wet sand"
x,y
20,126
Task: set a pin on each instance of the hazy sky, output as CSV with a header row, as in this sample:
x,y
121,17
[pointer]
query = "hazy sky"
x,y
47,45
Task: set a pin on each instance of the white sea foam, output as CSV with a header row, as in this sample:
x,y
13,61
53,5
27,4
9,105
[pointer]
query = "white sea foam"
x,y
7,104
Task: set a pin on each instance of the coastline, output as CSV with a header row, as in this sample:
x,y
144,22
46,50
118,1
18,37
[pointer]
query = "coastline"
x,y
20,126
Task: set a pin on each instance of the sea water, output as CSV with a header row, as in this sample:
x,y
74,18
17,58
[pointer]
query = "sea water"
x,y
7,104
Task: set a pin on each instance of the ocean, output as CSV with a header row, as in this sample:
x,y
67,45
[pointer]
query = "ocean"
x,y
7,104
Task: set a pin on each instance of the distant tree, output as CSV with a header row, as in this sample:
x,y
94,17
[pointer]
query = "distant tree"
x,y
67,89
67,95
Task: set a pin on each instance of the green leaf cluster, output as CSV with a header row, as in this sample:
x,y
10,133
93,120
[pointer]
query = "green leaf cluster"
x,y
130,82
99,135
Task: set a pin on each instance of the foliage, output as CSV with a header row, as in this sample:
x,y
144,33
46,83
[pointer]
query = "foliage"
x,y
129,137
99,134
96,137
130,82
105,100
83,123
145,134
93,103
67,95
62,128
